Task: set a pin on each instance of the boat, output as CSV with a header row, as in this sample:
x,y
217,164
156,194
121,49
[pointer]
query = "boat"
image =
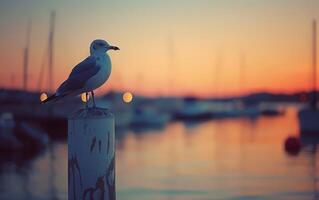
x,y
20,136
193,109
271,110
8,141
122,111
309,116
148,116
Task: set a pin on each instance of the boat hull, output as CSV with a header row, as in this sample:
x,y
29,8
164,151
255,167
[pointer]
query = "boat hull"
x,y
309,121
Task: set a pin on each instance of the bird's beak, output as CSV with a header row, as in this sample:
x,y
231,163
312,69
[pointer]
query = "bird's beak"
x,y
114,48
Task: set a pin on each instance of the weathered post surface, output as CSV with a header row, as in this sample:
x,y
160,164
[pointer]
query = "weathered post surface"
x,y
91,155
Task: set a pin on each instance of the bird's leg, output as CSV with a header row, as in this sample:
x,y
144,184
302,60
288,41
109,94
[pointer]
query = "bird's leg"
x,y
87,99
92,93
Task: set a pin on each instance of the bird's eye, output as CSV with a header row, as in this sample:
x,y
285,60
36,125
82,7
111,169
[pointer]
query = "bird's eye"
x,y
100,44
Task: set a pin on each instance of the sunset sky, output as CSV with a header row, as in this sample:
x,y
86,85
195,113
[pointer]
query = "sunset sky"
x,y
179,47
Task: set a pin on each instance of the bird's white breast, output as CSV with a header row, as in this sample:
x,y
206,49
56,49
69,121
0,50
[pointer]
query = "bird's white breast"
x,y
101,77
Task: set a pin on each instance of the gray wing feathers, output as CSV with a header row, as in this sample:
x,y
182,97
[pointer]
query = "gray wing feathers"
x,y
86,65
79,75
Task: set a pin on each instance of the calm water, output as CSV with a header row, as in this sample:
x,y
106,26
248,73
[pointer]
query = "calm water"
x,y
218,159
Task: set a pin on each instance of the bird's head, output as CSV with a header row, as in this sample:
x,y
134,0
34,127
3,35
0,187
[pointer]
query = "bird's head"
x,y
101,46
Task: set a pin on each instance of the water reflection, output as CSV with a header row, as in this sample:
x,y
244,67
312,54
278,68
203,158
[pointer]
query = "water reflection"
x,y
35,178
225,159
310,145
217,159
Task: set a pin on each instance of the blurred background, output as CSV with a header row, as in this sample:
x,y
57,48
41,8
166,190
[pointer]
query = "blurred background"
x,y
212,99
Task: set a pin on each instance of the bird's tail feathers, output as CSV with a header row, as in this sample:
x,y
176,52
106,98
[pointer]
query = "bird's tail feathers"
x,y
52,98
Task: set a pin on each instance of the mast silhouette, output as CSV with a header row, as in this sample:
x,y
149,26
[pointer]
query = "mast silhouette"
x,y
309,117
50,51
314,65
26,58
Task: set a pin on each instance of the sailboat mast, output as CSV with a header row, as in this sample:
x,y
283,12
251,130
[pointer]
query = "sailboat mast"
x,y
314,63
26,58
51,43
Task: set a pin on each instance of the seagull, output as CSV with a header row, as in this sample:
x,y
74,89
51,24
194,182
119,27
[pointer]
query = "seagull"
x,y
88,75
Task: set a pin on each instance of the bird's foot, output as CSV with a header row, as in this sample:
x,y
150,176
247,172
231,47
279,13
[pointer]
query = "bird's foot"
x,y
87,99
93,99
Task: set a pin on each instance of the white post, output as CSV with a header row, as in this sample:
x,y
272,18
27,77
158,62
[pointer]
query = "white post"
x,y
91,155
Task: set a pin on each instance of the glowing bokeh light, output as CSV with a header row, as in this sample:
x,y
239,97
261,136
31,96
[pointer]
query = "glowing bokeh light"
x,y
127,97
43,96
83,97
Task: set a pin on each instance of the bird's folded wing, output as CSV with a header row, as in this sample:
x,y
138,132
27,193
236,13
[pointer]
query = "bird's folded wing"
x,y
79,75
84,66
